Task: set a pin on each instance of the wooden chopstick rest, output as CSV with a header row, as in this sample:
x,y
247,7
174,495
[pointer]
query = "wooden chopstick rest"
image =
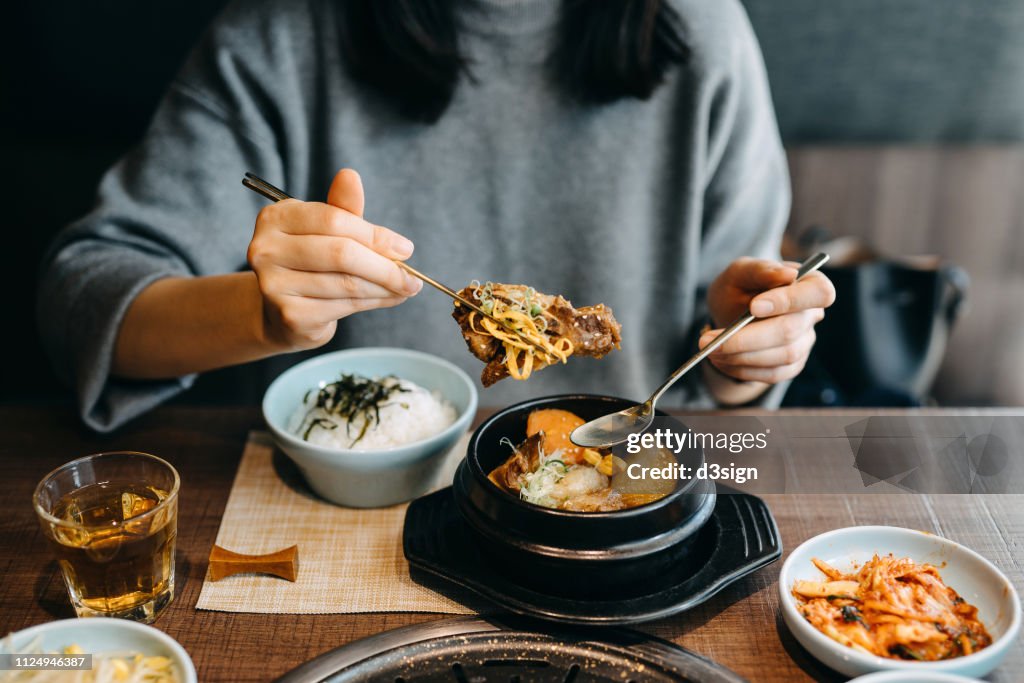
x,y
283,563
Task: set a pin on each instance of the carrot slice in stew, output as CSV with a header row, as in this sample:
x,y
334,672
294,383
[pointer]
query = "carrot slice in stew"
x,y
557,425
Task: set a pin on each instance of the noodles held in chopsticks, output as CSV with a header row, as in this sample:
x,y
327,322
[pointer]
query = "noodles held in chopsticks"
x,y
528,319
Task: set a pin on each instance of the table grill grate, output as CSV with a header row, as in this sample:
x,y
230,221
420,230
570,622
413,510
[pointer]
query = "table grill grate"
x,y
472,650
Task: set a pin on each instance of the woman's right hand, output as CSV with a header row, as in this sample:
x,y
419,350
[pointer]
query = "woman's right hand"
x,y
317,263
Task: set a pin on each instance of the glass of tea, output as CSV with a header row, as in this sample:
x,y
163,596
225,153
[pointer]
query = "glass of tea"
x,y
112,519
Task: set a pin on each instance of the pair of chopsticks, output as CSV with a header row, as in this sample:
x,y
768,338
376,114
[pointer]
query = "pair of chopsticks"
x,y
276,194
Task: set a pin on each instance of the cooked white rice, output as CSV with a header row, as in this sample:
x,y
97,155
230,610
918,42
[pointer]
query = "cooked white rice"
x,y
413,414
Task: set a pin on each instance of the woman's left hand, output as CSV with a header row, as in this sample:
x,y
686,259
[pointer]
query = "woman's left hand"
x,y
774,347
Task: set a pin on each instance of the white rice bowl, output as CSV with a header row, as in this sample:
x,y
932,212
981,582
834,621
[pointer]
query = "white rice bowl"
x,y
409,415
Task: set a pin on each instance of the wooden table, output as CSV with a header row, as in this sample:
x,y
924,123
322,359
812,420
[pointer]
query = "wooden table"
x,y
740,627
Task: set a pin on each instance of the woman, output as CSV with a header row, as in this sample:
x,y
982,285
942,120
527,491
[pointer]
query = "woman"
x,y
622,152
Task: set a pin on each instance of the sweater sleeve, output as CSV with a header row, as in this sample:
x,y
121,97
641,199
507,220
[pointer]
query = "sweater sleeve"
x,y
746,194
173,206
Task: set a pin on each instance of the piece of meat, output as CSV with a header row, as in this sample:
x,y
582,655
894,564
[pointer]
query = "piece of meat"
x,y
592,330
524,459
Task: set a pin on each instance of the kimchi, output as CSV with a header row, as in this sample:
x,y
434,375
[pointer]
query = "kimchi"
x,y
892,607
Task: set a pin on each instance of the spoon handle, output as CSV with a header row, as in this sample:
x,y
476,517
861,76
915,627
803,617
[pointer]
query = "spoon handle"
x,y
806,268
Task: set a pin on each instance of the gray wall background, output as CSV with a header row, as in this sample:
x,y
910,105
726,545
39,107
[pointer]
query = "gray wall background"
x,y
904,122
901,71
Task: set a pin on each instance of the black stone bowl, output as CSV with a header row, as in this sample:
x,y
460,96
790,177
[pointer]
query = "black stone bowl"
x,y
579,554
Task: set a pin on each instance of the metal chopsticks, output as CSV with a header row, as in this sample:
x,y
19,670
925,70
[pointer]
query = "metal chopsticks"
x,y
261,186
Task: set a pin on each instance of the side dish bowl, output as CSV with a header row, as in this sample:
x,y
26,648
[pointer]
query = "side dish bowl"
x,y
973,577
100,635
620,552
365,478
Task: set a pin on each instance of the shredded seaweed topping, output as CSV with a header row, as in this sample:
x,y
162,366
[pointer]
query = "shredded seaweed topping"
x,y
347,399
318,422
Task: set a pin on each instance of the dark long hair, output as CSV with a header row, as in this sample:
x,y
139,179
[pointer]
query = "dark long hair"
x,y
408,50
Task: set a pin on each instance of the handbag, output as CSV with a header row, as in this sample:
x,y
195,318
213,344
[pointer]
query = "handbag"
x,y
883,341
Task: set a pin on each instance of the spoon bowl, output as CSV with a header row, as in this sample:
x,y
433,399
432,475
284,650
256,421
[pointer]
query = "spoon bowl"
x,y
614,428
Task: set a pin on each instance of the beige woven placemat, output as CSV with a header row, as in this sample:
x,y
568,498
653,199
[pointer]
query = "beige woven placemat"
x,y
349,560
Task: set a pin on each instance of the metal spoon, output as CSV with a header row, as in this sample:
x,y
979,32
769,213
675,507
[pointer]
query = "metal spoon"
x,y
615,428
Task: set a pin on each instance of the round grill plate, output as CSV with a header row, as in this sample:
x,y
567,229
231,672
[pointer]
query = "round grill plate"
x,y
477,650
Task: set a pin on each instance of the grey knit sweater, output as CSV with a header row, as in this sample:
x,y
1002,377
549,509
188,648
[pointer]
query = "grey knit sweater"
x,y
638,205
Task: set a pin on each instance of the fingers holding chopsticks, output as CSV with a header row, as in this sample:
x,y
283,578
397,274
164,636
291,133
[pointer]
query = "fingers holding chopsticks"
x,y
328,220
308,255
317,263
